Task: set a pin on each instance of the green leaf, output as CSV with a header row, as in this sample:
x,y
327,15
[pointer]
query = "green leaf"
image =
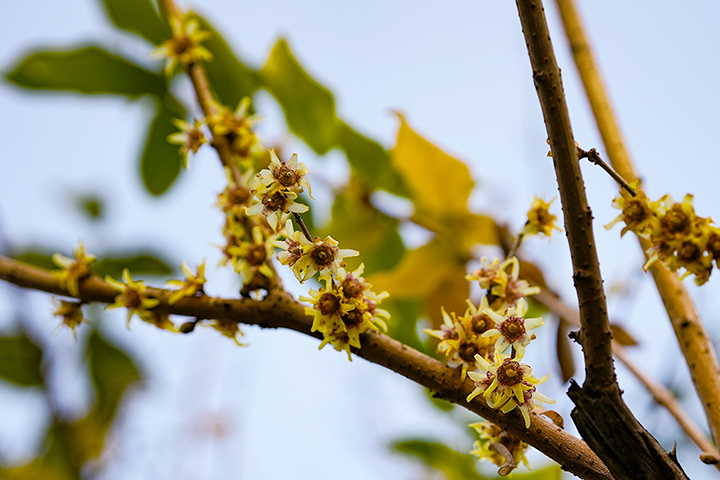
x,y
228,75
112,372
309,107
20,361
91,206
455,465
89,70
440,184
358,225
138,16
369,160
37,257
439,403
138,264
161,162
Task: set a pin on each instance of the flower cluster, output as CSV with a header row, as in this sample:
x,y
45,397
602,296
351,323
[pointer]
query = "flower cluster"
x,y
184,47
464,337
73,270
506,384
238,128
496,445
345,308
679,237
501,281
540,221
276,188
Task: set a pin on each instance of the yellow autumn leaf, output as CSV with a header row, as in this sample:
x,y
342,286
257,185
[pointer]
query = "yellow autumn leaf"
x,y
440,184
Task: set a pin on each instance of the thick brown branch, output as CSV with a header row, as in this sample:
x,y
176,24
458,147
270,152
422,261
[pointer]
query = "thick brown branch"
x,y
279,310
692,336
622,443
661,394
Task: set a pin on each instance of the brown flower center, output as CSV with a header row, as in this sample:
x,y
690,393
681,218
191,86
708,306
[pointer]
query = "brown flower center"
x,y
256,255
328,304
467,351
353,318
510,373
482,323
513,328
286,176
352,288
676,220
275,202
323,255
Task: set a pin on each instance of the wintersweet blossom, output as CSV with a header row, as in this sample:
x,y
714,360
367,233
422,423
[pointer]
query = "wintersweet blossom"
x,y
489,437
502,282
506,383
190,137
540,220
71,314
328,305
184,47
191,285
511,329
238,129
73,270
132,296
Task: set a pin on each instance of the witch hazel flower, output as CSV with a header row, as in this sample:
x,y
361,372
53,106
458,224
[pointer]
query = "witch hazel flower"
x,y
511,329
506,384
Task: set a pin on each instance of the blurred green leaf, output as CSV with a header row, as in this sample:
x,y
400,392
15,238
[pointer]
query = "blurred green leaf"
x,y
440,184
89,70
358,225
37,257
404,314
309,107
112,372
20,361
161,161
91,206
369,160
138,16
439,403
229,77
455,465
138,264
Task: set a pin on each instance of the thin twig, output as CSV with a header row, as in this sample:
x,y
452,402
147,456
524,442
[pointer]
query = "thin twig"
x,y
303,227
692,336
279,310
594,157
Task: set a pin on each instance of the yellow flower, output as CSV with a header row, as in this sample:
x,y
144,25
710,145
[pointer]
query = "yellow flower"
x,y
71,314
237,127
540,220
328,306
132,296
507,384
184,47
252,258
160,320
502,283
73,270
192,284
190,137
236,196
461,337
638,213
229,329
276,206
512,329
490,434
283,176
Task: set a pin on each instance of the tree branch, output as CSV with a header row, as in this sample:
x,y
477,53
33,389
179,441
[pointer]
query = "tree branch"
x,y
692,336
600,414
280,310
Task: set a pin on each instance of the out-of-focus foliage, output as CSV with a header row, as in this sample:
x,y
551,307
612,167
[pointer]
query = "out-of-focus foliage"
x,y
461,466
138,16
70,444
138,262
20,361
